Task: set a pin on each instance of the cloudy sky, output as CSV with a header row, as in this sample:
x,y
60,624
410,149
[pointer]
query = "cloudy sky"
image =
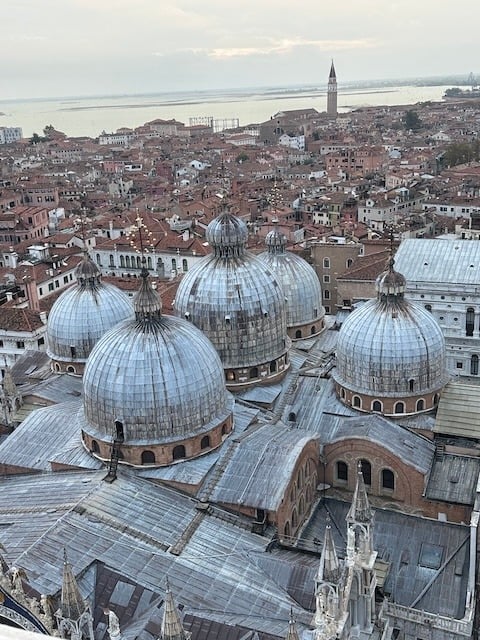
x,y
54,48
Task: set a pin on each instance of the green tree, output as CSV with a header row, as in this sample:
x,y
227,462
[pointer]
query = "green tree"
x,y
412,121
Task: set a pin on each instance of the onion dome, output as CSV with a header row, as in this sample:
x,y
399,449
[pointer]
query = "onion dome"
x,y
390,353
157,382
235,299
300,284
81,315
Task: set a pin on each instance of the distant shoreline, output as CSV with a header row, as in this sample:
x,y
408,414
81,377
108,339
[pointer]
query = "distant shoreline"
x,y
178,103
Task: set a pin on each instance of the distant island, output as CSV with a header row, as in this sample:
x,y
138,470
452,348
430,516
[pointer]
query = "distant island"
x,y
455,93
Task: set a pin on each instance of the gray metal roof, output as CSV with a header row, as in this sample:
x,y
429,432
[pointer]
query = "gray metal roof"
x,y
130,525
453,478
81,315
163,380
301,286
382,346
411,448
435,260
257,467
46,435
458,411
423,554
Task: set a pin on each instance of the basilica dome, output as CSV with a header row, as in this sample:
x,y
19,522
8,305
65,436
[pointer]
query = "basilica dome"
x,y
81,315
158,382
390,353
235,299
300,284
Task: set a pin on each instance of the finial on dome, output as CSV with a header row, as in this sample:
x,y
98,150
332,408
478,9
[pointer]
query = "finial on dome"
x,y
87,273
146,301
390,284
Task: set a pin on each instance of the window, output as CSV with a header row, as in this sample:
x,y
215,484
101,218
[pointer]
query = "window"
x,y
313,330
40,342
411,384
254,372
326,279
366,468
119,433
399,407
326,294
179,452
20,344
376,405
99,260
342,471
112,263
298,333
428,307
95,447
205,442
469,321
174,264
71,369
184,265
349,263
388,479
50,286
327,308
459,365
148,457
40,291
1,343
326,263
65,279
474,365
273,366
357,402
420,404
57,284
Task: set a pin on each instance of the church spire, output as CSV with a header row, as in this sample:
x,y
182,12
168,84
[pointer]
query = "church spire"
x,y
172,628
329,569
292,633
332,92
74,618
146,301
360,510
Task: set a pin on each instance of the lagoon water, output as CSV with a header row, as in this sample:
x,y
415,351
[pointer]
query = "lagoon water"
x,y
89,116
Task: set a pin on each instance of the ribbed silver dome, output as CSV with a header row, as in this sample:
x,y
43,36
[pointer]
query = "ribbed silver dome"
x,y
83,313
391,347
235,299
300,283
158,375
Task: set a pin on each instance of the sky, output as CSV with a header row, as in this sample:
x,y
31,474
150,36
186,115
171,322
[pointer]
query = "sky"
x,y
51,48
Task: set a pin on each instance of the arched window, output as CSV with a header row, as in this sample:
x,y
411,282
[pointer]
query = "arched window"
x,y
122,261
205,442
399,407
70,369
286,530
292,416
254,372
112,262
357,402
474,365
326,263
298,333
230,375
436,398
273,366
139,262
148,457
313,330
174,264
366,471
184,265
294,519
420,404
99,260
95,447
349,263
342,471
57,367
388,479
119,433
376,406
149,262
160,268
179,452
469,321
127,262
411,384
224,429
342,393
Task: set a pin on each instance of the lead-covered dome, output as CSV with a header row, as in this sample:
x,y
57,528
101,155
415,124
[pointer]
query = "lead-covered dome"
x,y
300,284
390,353
235,299
81,315
159,380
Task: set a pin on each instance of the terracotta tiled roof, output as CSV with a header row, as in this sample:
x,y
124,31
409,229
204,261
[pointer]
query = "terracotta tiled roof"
x,y
19,320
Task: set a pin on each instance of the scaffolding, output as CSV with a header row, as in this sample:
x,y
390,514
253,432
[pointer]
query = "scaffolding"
x,y
216,124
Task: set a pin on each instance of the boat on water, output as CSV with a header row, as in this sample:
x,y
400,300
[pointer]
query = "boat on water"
x,y
456,93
